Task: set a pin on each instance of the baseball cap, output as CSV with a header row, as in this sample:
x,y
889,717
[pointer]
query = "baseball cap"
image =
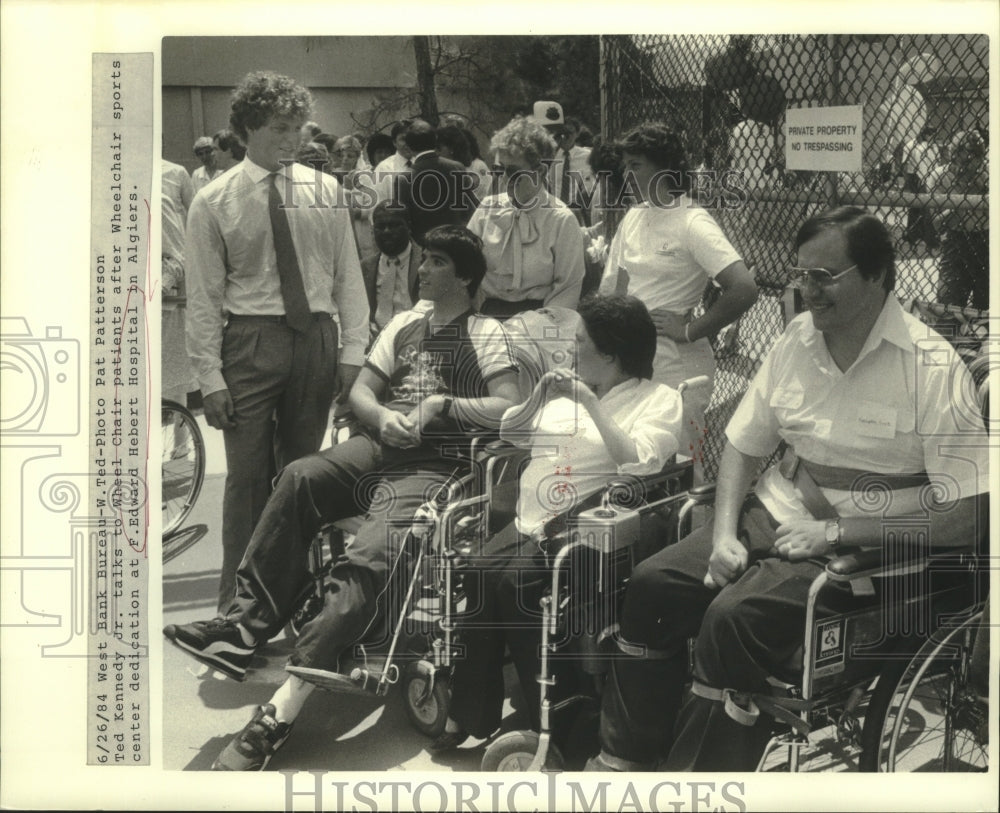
x,y
548,113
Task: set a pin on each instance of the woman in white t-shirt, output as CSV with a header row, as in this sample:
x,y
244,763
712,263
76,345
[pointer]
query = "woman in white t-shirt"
x,y
583,427
665,251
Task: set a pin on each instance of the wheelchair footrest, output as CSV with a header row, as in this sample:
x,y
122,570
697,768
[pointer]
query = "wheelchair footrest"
x,y
331,681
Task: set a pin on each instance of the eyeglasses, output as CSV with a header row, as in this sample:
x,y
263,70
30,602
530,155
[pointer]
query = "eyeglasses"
x,y
820,277
205,151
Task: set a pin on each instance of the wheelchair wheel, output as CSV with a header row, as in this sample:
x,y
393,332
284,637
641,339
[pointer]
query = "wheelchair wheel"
x,y
924,715
515,751
426,705
183,465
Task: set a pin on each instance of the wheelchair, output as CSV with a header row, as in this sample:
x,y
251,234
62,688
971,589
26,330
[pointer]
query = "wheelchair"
x,y
894,680
408,653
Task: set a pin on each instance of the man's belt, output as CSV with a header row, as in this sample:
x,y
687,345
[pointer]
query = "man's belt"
x,y
318,316
809,478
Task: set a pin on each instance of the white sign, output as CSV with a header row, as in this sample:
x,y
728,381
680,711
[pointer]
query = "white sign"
x,y
823,138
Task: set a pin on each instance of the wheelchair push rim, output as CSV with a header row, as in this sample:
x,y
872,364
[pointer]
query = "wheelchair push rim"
x,y
926,716
182,465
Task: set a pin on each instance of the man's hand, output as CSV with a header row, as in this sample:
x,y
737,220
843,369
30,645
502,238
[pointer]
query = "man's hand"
x,y
669,324
801,539
219,410
396,429
728,561
424,412
344,379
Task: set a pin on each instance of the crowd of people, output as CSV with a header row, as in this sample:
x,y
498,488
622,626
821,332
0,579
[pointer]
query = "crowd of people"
x,y
404,306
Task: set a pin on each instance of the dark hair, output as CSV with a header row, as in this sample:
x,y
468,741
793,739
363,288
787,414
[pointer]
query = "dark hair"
x,y
326,139
606,157
452,137
223,138
465,250
420,136
662,146
262,95
869,244
378,141
399,127
474,150
394,208
621,326
585,138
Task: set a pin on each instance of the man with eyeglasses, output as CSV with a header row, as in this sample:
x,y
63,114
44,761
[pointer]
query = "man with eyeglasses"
x,y
208,153
860,392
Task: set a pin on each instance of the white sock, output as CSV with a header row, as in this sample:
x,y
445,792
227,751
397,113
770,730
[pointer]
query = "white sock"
x,y
246,635
288,700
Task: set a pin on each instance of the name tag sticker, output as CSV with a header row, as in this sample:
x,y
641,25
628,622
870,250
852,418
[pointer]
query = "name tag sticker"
x,y
876,421
783,398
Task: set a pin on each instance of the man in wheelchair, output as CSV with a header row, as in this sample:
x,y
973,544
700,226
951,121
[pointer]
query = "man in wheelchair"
x,y
863,395
432,381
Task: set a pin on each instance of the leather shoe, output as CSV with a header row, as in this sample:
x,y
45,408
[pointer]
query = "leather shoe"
x,y
448,741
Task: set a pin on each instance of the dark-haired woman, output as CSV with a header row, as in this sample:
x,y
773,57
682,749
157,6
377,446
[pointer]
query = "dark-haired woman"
x,y
583,426
665,251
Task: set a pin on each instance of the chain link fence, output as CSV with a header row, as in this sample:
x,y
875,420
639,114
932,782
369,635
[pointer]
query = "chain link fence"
x,y
925,113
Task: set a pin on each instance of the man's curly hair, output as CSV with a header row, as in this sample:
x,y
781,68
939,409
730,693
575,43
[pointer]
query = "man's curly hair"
x,y
261,96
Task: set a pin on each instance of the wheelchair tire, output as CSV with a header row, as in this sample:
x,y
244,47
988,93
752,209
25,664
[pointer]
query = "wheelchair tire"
x,y
923,714
515,751
182,466
427,710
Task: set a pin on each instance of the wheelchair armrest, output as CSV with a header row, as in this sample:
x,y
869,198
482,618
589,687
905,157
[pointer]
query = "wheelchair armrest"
x,y
703,494
863,563
502,448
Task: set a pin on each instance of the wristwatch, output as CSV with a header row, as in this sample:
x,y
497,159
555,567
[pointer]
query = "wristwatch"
x,y
833,533
446,406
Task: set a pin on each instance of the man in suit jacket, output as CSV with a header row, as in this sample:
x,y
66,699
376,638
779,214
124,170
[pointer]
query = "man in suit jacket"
x,y
437,191
391,275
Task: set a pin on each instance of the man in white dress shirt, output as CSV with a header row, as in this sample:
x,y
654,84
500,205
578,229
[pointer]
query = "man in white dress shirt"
x,y
270,259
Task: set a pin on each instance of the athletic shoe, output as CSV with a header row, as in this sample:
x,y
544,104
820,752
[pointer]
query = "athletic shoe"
x,y
253,747
217,643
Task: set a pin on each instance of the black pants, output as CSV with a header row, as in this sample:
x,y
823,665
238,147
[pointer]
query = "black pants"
x,y
504,584
745,632
274,575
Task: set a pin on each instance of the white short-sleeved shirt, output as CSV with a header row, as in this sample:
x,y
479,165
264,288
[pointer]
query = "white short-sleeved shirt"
x,y
670,253
906,405
569,460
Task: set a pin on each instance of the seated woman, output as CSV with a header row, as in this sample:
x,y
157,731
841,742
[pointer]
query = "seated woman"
x,y
582,427
665,251
532,241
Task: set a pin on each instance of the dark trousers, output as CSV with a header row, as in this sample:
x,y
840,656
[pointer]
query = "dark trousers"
x,y
503,587
359,595
964,269
504,584
282,385
745,632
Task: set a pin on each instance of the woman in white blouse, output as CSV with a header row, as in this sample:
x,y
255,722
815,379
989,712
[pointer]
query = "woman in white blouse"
x,y
532,240
665,251
583,427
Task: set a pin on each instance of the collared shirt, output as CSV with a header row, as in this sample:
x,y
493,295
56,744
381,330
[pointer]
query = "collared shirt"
x,y
531,253
232,267
670,253
392,286
569,460
904,406
201,177
384,176
176,183
578,163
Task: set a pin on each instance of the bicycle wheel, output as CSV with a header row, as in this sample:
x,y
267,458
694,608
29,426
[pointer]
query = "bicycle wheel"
x,y
183,464
925,716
